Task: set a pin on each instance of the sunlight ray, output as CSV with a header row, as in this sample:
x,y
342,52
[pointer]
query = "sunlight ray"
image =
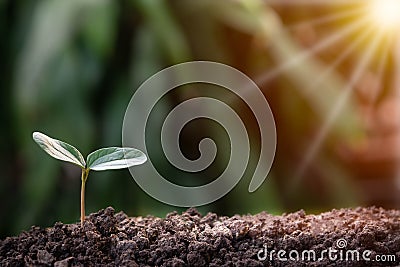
x,y
332,66
380,72
330,40
326,18
324,130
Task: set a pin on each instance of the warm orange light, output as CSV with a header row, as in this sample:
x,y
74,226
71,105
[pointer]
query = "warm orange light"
x,y
386,14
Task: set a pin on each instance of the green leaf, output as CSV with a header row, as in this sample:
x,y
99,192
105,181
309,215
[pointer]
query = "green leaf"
x,y
59,149
111,158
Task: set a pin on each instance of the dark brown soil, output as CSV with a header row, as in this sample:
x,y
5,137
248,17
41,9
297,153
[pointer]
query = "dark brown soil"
x,y
109,239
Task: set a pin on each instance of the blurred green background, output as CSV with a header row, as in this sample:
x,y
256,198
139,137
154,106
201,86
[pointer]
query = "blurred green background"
x,y
69,69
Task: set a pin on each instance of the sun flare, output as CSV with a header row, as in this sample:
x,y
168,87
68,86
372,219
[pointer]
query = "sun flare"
x,y
386,14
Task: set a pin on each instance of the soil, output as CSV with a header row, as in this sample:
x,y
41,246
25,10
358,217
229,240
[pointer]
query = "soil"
x,y
190,239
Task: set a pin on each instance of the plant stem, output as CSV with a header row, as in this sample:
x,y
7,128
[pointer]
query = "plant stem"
x,y
85,173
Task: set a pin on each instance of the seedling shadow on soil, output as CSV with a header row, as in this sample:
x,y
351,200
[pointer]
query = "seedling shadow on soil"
x,y
110,239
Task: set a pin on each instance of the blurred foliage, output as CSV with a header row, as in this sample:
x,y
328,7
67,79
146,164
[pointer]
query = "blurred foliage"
x,y
69,69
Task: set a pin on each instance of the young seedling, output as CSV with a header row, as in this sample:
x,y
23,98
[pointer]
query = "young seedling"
x,y
109,158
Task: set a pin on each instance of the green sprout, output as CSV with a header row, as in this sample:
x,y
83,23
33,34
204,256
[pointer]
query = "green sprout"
x,y
110,158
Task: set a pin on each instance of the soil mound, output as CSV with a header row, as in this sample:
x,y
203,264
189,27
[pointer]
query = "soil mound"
x,y
107,238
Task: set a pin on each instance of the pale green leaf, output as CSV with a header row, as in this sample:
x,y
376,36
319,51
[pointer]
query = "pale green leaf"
x,y
111,158
58,149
